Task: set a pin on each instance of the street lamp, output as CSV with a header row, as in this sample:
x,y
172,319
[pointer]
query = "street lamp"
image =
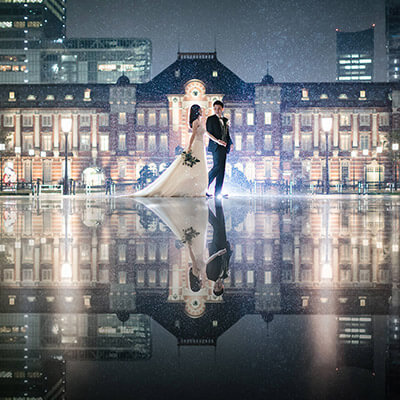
x,y
66,125
395,148
326,127
365,154
379,151
2,148
353,156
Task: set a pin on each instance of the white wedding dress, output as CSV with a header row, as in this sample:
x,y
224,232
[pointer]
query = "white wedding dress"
x,y
180,180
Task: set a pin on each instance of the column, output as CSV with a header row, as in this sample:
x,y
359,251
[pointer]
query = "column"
x,y
94,137
74,131
36,262
316,130
36,130
335,130
56,130
296,259
374,130
355,130
18,130
93,263
296,130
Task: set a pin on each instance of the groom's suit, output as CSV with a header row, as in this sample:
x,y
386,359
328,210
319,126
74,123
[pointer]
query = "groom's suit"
x,y
220,130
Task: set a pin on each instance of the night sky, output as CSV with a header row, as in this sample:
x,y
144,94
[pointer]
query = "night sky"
x,y
297,37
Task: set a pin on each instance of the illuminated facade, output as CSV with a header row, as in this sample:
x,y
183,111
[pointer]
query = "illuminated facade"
x,y
276,127
355,55
393,40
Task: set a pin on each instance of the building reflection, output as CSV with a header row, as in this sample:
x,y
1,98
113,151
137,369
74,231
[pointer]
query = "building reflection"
x,y
125,264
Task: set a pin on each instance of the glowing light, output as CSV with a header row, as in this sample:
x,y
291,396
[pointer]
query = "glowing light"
x,y
66,271
395,146
66,124
326,272
326,123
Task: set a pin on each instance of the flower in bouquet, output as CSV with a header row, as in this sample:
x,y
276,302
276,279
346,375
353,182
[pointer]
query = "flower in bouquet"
x,y
189,159
188,235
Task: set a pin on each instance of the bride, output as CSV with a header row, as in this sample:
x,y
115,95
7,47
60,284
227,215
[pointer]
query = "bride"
x,y
185,178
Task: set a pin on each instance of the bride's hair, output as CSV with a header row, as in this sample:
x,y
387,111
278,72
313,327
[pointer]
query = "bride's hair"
x,y
194,114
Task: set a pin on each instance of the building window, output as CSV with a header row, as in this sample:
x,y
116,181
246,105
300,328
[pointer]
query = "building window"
x,y
104,252
140,142
62,143
362,94
152,143
345,142
383,120
104,143
268,170
50,97
250,142
215,74
365,119
27,143
86,95
344,120
122,170
238,142
84,142
140,117
11,96
286,120
152,118
122,142
267,118
306,120
163,118
103,119
47,143
304,94
238,118
306,142
27,120
177,73
163,143
250,118
8,121
47,121
122,258
364,142
287,143
84,120
267,142
122,118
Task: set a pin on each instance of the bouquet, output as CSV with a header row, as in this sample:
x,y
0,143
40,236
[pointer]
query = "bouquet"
x,y
188,235
189,159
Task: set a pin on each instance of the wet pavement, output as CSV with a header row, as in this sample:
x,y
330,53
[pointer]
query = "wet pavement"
x,y
247,298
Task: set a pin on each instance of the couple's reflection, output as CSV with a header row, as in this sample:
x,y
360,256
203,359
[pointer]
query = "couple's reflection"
x,y
188,220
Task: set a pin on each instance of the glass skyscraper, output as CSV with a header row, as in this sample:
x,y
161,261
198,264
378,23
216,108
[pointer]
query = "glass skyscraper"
x,y
393,39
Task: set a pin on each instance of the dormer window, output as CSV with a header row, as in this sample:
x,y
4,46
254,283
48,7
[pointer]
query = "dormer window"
x,y
323,96
343,96
215,74
11,96
177,73
69,97
50,97
304,94
86,96
362,95
31,97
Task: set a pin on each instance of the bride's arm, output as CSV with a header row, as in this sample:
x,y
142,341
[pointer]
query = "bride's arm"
x,y
194,130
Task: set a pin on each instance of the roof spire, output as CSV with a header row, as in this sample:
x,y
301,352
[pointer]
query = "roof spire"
x,y
268,67
179,45
215,43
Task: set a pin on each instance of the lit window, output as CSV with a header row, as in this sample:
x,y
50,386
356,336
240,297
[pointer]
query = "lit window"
x,y
163,143
323,96
365,120
11,96
344,120
84,142
103,120
306,119
177,73
238,118
50,97
215,74
152,143
383,119
286,120
250,118
86,96
304,94
267,142
46,143
69,97
343,96
31,97
250,142
122,141
152,118
104,143
140,142
140,117
122,118
5,24
238,142
345,142
27,142
267,118
362,94
122,170
163,118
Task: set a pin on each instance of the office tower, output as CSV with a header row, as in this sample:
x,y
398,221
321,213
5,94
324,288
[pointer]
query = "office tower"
x,y
393,40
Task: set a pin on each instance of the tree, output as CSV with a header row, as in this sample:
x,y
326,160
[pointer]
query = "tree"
x,y
4,135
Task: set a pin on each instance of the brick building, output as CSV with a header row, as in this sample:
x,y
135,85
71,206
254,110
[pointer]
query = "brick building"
x,y
276,127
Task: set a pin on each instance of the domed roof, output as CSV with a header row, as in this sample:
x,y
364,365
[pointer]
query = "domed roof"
x,y
268,79
123,80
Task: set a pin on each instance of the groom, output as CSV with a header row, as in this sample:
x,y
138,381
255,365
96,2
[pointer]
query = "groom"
x,y
217,125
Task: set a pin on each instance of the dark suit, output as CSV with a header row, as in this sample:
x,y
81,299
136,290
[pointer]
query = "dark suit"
x,y
219,152
219,267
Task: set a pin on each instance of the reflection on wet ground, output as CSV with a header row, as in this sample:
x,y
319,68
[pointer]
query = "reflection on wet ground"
x,y
245,298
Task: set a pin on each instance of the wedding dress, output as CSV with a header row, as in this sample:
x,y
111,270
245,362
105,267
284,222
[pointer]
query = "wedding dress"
x,y
180,180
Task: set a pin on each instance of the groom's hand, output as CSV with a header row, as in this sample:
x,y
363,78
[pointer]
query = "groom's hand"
x,y
222,143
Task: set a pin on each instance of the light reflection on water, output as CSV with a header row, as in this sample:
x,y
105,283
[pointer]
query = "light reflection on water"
x,y
89,281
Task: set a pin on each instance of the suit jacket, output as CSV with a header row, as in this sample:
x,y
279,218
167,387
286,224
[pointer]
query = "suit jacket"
x,y
214,127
